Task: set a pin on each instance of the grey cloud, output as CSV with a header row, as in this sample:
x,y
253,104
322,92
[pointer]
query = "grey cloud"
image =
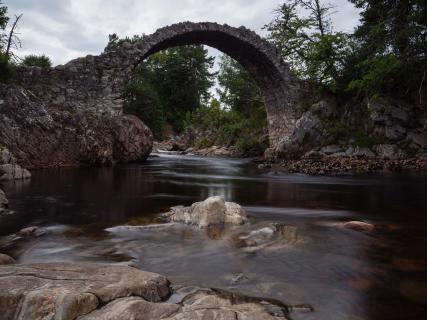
x,y
66,29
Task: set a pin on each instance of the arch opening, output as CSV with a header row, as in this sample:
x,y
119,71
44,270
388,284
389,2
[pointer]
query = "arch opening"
x,y
280,89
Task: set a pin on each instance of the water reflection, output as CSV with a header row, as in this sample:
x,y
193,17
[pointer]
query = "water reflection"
x,y
309,259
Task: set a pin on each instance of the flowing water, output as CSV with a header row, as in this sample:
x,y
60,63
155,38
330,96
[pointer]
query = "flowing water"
x,y
343,274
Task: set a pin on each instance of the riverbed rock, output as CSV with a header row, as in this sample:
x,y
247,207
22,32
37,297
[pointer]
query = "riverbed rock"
x,y
274,236
211,212
68,290
32,232
359,226
5,259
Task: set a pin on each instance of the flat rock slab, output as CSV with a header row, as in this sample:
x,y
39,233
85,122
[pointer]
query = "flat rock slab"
x,y
69,290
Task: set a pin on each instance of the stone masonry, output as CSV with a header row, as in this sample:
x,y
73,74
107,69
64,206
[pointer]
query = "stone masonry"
x,y
96,83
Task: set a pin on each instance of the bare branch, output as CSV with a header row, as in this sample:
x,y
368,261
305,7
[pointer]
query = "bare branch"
x,y
13,39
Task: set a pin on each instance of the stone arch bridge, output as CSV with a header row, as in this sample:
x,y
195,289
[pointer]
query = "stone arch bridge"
x,y
96,83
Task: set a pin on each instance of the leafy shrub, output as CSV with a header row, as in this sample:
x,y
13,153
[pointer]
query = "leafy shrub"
x,y
41,61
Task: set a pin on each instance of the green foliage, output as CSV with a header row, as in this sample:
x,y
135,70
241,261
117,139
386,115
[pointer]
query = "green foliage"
x,y
378,75
169,85
390,49
41,61
6,68
303,33
142,100
4,19
114,42
367,141
241,119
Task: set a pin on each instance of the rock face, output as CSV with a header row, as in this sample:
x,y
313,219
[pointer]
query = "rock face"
x,y
66,291
211,212
380,129
40,135
9,168
84,291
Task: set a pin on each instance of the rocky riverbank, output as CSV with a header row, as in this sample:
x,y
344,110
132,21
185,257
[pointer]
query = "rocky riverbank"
x,y
342,165
40,135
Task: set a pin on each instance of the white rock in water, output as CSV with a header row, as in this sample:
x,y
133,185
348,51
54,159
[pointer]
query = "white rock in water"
x,y
212,211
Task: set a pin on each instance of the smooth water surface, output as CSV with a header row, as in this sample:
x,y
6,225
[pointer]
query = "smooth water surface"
x,y
343,274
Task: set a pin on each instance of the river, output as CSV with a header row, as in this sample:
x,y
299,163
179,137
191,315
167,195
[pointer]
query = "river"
x,y
343,274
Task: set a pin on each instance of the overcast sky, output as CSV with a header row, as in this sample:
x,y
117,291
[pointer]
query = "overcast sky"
x,y
66,29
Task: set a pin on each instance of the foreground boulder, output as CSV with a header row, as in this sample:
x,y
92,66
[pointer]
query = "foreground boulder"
x,y
213,211
86,291
195,304
41,135
66,291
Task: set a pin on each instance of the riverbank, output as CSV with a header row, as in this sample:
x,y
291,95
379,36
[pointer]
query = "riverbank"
x,y
322,165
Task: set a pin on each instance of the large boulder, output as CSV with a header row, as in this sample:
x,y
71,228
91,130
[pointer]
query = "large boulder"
x,y
68,290
40,135
211,212
133,139
86,291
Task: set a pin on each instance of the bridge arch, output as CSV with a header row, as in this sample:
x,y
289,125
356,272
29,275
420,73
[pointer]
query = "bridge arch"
x,y
97,83
279,87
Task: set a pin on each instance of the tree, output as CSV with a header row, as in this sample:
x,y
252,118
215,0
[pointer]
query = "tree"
x,y
237,89
390,57
239,118
302,30
6,69
142,100
41,61
180,78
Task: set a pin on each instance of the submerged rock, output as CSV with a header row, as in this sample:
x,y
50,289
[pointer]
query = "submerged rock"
x,y
359,226
275,236
5,259
32,232
213,211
